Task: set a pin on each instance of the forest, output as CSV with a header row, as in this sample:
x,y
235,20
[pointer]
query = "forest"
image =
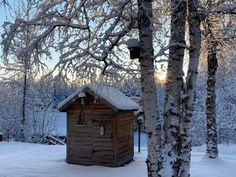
x,y
178,56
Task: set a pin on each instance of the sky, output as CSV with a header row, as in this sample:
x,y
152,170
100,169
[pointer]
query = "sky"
x,y
4,12
4,16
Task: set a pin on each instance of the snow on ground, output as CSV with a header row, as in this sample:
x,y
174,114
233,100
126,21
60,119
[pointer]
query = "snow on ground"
x,y
36,160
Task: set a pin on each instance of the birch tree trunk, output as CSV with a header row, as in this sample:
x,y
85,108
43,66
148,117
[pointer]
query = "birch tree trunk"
x,y
190,87
211,128
211,133
174,85
151,110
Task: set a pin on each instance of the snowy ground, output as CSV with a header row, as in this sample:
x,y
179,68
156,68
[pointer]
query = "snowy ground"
x,y
35,160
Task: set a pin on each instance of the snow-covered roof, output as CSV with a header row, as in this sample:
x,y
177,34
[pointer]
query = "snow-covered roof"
x,y
111,96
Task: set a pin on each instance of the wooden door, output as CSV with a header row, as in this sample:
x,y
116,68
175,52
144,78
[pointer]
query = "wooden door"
x,y
83,140
102,141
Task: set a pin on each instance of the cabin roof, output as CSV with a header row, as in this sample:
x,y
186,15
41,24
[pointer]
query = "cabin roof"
x,y
108,95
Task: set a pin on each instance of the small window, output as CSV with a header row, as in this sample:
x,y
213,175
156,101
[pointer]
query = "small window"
x,y
81,121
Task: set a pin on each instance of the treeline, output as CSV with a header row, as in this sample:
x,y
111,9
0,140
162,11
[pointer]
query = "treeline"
x,y
43,96
33,119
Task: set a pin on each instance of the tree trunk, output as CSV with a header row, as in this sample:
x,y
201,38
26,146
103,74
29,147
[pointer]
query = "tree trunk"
x,y
174,86
22,138
151,110
211,134
190,87
26,65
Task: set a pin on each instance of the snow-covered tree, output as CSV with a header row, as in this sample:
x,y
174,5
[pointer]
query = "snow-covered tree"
x,y
148,87
216,35
38,103
211,135
174,86
189,90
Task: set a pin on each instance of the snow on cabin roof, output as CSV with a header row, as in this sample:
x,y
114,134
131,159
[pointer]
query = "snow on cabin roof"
x,y
111,96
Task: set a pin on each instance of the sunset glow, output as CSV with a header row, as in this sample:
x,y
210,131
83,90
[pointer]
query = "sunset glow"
x,y
161,77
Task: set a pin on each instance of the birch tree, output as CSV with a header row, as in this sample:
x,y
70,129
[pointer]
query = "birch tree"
x,y
148,87
211,142
190,86
174,85
180,92
211,128
214,40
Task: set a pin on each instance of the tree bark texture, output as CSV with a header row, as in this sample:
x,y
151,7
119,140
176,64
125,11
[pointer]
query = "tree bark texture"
x,y
151,110
22,131
211,133
190,87
174,87
211,128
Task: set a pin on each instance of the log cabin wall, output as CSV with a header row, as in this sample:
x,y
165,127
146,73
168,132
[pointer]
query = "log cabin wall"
x,y
125,137
79,138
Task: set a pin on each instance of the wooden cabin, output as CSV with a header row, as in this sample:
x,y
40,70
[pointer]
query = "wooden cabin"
x,y
99,126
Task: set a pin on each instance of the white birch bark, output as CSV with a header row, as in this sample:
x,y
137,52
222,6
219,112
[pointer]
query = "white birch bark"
x,y
190,87
151,110
174,85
